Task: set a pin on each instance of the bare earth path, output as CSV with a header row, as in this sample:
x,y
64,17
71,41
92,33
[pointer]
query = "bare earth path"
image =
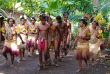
x,y
69,65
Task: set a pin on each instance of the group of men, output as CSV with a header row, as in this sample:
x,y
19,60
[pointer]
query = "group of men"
x,y
57,35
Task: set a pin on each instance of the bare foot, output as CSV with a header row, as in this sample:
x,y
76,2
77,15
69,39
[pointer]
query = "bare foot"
x,y
6,60
19,60
62,56
49,64
40,67
46,65
11,66
56,65
29,54
59,59
24,59
79,70
32,55
87,65
66,53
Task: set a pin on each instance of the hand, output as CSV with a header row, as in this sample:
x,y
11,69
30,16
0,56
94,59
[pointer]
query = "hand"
x,y
69,39
49,45
72,48
82,37
23,42
26,34
35,44
11,38
79,36
6,36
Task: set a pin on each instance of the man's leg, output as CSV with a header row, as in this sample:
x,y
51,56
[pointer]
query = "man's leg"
x,y
56,52
45,53
40,61
68,40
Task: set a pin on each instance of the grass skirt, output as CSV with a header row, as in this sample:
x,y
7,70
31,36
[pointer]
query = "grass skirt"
x,y
31,42
19,42
10,46
94,49
82,51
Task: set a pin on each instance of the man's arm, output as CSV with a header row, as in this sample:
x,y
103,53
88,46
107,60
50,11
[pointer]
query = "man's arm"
x,y
66,28
37,28
70,31
58,30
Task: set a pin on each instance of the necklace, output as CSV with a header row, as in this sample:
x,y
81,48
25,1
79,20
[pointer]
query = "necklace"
x,y
9,32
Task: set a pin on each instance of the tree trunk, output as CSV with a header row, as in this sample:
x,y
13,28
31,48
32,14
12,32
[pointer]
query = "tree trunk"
x,y
95,4
14,7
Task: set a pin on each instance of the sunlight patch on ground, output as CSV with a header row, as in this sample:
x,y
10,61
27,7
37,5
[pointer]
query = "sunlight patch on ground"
x,y
1,73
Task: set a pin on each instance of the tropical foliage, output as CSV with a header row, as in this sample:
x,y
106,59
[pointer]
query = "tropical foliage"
x,y
76,8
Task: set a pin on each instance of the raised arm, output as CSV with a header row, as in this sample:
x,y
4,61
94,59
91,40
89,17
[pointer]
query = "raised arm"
x,y
18,33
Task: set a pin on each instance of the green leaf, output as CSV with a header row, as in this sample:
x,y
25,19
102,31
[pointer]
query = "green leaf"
x,y
1,7
106,34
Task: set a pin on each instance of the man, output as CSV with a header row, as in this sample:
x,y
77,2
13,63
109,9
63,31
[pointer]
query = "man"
x,y
42,35
68,30
53,38
62,39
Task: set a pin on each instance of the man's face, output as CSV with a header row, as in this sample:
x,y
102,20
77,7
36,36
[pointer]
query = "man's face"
x,y
49,21
59,21
65,18
43,21
33,21
11,22
81,23
23,21
94,25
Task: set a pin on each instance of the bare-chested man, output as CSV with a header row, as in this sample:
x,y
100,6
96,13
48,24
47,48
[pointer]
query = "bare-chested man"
x,y
53,38
62,39
68,30
42,35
